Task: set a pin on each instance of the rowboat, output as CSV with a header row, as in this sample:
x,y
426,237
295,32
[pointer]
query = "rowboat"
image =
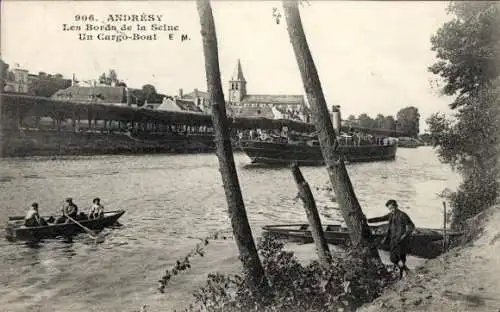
x,y
16,230
424,242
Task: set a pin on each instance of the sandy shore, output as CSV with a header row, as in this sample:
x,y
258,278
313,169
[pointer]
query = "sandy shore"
x,y
464,279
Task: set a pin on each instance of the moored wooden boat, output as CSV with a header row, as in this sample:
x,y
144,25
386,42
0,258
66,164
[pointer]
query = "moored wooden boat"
x,y
424,242
276,153
16,230
407,142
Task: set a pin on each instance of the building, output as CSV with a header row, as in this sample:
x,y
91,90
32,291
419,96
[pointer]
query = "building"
x,y
19,81
151,105
242,104
199,98
93,94
178,104
281,106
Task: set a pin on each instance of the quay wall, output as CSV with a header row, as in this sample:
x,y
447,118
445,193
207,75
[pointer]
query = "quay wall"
x,y
19,143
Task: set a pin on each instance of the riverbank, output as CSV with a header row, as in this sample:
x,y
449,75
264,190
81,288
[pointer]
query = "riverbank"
x,y
464,279
21,143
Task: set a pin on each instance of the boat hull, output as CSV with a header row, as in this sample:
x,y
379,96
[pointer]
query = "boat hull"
x,y
15,229
261,152
424,243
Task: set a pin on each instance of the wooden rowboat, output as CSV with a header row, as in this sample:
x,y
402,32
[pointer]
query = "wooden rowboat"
x,y
16,230
424,242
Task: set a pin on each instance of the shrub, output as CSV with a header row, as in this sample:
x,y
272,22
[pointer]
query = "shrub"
x,y
344,285
470,145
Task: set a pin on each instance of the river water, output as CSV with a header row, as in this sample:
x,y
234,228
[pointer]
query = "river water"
x,y
170,201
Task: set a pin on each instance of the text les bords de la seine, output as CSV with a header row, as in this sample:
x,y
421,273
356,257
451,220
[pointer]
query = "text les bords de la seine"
x,y
122,27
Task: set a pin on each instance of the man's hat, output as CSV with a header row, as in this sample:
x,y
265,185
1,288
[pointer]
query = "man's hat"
x,y
391,202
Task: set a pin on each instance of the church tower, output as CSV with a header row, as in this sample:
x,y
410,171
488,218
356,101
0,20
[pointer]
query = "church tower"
x,y
237,85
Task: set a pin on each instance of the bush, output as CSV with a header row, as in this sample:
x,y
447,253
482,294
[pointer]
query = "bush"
x,y
344,285
470,145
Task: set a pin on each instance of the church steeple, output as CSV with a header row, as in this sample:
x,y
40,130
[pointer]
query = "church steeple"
x,y
237,85
238,73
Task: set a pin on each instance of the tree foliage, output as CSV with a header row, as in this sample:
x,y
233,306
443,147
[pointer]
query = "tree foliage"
x,y
4,73
113,76
109,79
365,121
344,285
408,121
388,122
380,122
149,92
47,84
470,145
146,93
467,47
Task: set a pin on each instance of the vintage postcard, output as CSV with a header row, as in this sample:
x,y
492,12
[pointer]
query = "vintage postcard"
x,y
248,155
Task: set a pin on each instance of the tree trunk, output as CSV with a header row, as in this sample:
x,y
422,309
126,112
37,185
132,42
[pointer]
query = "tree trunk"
x,y
236,207
307,198
355,220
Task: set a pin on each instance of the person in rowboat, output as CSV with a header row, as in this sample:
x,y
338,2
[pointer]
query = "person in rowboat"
x,y
96,210
398,234
33,218
69,209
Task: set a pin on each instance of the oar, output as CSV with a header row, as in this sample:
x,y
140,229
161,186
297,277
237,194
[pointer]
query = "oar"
x,y
94,235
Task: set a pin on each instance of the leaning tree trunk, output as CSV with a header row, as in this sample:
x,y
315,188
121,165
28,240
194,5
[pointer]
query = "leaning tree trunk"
x,y
351,211
236,208
312,214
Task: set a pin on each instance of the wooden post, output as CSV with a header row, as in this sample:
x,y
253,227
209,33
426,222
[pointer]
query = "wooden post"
x,y
236,207
444,226
58,122
89,118
307,198
354,218
73,122
19,119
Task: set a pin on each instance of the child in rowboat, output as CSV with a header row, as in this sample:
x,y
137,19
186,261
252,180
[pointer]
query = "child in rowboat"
x,y
69,209
96,210
33,217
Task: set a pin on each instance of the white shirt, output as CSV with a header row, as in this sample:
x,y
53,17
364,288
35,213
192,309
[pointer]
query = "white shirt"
x,y
30,213
96,208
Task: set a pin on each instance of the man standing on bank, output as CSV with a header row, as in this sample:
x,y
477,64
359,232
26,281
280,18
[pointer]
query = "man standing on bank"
x,y
398,233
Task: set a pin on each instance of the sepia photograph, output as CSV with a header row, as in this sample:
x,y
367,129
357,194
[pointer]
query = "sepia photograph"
x,y
274,156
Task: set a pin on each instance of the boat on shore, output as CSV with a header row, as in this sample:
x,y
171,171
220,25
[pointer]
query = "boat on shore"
x,y
16,230
424,242
310,154
407,142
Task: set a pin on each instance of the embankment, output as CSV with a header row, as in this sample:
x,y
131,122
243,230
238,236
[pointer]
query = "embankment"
x,y
49,142
464,279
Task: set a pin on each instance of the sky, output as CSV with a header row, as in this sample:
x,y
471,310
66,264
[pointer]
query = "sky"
x,y
372,57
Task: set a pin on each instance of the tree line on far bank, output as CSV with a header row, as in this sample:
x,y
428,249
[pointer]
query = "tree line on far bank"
x,y
407,120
